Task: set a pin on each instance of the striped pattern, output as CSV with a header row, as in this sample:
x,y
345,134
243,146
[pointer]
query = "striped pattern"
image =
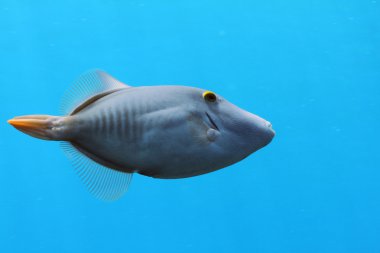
x,y
120,122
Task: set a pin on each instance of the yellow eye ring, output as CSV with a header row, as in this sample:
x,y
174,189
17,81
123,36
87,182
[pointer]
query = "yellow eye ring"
x,y
209,96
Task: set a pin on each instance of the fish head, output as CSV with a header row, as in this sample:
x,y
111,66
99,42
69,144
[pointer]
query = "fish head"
x,y
232,132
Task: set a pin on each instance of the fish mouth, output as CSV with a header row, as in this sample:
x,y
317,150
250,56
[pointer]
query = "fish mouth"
x,y
270,127
211,122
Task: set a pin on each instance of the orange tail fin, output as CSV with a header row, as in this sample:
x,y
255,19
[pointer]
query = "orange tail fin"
x,y
44,127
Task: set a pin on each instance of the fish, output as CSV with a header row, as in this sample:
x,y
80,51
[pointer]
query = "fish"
x,y
111,130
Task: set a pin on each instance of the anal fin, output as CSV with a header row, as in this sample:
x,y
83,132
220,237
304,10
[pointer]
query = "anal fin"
x,y
104,183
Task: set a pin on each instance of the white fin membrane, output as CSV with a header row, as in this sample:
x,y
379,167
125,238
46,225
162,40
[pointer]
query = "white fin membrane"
x,y
104,183
86,86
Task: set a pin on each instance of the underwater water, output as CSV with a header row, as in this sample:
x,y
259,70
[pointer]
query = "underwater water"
x,y
310,67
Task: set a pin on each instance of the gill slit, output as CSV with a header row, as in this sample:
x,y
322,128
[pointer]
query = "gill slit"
x,y
212,121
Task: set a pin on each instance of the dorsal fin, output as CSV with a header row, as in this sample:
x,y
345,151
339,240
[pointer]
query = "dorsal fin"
x,y
92,100
88,88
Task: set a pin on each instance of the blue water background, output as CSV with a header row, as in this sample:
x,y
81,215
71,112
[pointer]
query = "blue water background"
x,y
310,67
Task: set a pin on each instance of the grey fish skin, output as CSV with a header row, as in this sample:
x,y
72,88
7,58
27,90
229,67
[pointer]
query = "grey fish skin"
x,y
112,131
157,131
166,132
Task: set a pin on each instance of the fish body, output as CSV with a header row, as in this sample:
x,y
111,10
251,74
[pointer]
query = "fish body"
x,y
157,131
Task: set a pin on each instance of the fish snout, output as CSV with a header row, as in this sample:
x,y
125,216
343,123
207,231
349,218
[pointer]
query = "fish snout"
x,y
261,130
270,128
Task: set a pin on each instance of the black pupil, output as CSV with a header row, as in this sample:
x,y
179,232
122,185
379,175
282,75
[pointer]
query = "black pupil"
x,y
211,97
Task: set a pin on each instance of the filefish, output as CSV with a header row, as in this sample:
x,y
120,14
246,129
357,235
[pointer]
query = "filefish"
x,y
112,130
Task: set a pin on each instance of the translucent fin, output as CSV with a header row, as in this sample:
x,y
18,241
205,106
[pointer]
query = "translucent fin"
x,y
104,183
88,85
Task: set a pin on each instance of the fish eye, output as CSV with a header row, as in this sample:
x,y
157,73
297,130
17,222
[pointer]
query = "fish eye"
x,y
209,96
